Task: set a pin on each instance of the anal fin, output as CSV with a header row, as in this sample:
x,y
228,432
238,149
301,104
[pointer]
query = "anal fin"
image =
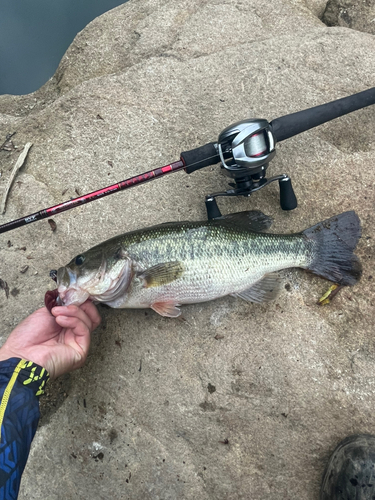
x,y
168,309
263,290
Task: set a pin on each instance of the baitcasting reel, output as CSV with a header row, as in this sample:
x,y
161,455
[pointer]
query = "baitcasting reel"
x,y
245,149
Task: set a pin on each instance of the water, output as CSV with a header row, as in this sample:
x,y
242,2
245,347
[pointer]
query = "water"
x,y
34,35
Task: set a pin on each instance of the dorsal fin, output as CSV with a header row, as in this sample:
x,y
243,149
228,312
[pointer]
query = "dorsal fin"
x,y
252,220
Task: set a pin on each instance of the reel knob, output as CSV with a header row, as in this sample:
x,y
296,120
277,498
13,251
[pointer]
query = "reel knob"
x,y
288,200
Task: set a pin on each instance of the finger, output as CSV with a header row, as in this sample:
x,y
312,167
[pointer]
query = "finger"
x,y
74,312
92,312
79,329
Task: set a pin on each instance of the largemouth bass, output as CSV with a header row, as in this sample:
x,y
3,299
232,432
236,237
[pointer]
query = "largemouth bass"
x,y
165,266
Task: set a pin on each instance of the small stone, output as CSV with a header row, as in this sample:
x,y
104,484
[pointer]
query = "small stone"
x,y
211,388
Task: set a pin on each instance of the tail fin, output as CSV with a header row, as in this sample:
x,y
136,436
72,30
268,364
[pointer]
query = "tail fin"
x,y
336,239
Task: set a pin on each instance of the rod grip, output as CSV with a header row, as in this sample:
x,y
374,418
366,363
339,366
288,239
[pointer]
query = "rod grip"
x,y
200,157
290,125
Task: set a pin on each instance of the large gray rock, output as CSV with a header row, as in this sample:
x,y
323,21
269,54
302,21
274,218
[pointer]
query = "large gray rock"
x,y
242,400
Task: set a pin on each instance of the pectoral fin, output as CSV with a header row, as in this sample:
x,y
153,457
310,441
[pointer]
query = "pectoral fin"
x,y
264,290
167,309
162,274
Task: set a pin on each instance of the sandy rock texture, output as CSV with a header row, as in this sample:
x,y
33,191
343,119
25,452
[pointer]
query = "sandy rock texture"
x,y
242,401
351,14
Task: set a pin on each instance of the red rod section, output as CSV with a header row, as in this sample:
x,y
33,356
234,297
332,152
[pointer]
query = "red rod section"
x,y
86,198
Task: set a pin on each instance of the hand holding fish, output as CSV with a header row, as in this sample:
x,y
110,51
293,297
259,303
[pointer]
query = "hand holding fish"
x,y
58,342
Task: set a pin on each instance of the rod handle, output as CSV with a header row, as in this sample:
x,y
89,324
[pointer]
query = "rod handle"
x,y
290,125
201,157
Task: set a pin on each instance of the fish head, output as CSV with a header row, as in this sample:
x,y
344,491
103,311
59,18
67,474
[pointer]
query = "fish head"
x,y
101,274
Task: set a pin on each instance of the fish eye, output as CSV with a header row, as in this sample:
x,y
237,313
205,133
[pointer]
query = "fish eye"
x,y
80,259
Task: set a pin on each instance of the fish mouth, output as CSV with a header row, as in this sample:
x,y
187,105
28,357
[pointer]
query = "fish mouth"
x,y
71,296
103,286
69,291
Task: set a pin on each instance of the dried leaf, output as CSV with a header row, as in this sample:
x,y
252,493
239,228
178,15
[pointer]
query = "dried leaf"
x,y
9,146
7,138
21,160
52,224
4,286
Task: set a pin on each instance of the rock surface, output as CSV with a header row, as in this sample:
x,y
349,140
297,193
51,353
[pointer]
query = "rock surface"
x,y
243,400
351,14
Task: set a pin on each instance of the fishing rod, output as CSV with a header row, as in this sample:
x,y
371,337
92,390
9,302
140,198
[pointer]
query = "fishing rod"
x,y
244,150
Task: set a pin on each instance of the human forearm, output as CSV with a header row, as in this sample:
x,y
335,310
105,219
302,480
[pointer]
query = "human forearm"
x,y
21,382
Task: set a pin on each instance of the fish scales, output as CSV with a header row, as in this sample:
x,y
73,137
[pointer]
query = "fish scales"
x,y
217,260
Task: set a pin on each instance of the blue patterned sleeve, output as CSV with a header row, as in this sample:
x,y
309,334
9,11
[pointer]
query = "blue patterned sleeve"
x,y
21,382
